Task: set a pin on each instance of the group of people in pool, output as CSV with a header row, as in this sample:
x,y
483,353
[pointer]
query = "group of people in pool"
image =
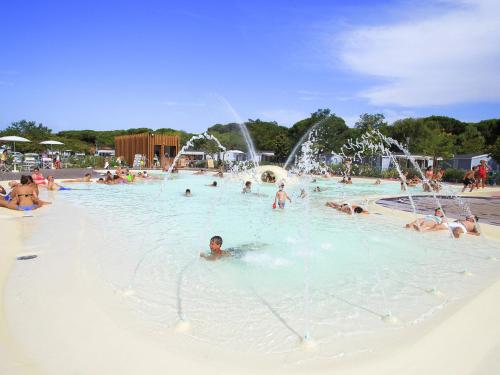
x,y
124,176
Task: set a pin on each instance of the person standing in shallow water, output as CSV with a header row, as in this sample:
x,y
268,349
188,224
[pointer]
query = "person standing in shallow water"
x,y
281,197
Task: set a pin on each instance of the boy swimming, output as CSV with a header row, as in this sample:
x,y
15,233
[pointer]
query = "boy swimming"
x,y
216,251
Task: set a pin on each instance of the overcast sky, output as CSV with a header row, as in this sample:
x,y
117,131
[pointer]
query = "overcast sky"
x,y
190,64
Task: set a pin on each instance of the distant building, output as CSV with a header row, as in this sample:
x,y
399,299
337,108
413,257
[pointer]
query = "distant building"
x,y
467,161
263,156
384,162
105,152
153,147
234,155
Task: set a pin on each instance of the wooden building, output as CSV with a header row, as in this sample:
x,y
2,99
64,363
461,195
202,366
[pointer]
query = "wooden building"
x,y
156,149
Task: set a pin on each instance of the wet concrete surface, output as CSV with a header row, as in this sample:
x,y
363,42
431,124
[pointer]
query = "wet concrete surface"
x,y
487,209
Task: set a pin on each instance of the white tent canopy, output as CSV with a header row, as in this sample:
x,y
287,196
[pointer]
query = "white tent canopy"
x,y
51,143
14,138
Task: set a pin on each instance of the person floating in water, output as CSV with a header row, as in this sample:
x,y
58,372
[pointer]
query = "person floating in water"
x,y
281,197
216,251
213,184
349,209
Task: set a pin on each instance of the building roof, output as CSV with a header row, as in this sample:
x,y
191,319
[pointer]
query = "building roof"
x,y
470,156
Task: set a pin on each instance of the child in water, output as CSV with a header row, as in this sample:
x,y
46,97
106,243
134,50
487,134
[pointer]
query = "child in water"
x,y
215,249
281,197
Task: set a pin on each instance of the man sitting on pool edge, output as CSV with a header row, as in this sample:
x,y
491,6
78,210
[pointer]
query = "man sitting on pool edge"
x,y
215,249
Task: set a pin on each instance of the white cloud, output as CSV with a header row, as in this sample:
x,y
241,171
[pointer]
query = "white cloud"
x,y
450,56
282,116
170,103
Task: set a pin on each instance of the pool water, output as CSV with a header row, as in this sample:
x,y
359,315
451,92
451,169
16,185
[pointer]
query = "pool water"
x,y
305,270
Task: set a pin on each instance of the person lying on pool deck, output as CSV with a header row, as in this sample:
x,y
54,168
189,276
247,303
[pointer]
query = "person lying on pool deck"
x,y
428,222
85,178
216,251
458,227
349,209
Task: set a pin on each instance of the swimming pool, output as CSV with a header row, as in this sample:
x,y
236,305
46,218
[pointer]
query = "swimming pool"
x,y
305,270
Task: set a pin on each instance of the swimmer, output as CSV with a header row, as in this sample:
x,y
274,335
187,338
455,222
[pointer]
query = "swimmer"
x,y
349,181
188,193
317,189
428,222
349,209
247,188
377,182
216,251
281,197
213,184
201,171
303,193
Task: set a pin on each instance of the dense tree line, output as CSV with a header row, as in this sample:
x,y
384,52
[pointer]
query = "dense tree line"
x,y
437,136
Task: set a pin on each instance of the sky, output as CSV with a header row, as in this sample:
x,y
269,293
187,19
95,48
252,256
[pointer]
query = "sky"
x,y
190,64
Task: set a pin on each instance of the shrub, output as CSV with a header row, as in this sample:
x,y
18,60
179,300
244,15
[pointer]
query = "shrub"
x,y
453,175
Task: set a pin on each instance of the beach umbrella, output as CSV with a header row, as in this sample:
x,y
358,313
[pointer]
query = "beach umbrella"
x,y
14,139
50,143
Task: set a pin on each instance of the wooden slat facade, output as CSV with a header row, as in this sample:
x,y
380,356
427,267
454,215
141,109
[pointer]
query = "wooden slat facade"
x,y
166,147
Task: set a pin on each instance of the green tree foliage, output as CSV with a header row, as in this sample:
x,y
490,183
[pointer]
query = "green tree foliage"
x,y
470,141
301,127
435,142
490,129
438,136
495,150
265,133
448,124
332,133
281,147
369,122
28,129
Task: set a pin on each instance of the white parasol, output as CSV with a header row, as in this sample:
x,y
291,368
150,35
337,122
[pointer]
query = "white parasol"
x,y
14,139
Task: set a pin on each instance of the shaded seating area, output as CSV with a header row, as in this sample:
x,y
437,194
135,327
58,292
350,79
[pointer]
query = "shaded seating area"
x,y
149,147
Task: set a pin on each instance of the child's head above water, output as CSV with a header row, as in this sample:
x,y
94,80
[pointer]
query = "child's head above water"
x,y
215,243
